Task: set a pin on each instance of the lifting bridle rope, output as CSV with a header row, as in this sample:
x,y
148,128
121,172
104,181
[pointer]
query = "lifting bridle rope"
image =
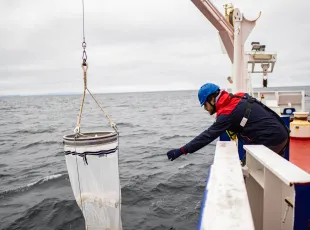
x,y
85,68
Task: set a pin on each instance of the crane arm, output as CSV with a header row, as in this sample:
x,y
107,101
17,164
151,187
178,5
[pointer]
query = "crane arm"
x,y
225,29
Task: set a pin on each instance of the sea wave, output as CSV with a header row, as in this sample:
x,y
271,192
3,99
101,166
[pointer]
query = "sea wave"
x,y
31,185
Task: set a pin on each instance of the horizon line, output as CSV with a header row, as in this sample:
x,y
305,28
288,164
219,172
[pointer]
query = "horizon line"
x,y
138,91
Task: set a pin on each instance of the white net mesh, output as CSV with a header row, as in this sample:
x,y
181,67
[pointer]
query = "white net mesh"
x,y
96,186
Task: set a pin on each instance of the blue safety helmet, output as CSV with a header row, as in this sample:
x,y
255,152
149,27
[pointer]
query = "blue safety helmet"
x,y
205,91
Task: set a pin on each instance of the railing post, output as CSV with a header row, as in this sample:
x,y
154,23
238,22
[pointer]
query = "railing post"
x,y
224,137
286,119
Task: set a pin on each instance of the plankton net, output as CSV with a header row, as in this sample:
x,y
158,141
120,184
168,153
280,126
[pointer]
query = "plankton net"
x,y
92,165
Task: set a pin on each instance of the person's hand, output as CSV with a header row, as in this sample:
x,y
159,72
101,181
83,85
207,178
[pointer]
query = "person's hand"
x,y
174,154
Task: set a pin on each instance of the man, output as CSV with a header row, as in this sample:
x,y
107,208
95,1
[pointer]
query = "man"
x,y
250,120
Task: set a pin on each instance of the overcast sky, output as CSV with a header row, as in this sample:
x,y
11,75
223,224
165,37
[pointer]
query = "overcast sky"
x,y
139,45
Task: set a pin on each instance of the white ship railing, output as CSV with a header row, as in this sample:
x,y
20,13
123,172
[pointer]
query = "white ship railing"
x,y
279,100
271,185
266,200
225,204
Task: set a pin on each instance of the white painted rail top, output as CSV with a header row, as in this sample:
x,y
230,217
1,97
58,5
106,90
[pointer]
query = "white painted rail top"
x,y
227,204
283,169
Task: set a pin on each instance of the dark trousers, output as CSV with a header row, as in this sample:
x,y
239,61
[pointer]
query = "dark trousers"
x,y
280,149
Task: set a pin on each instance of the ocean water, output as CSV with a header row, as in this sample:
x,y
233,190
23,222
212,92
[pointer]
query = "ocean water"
x,y
35,190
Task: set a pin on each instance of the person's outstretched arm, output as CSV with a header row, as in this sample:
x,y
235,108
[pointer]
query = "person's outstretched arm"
x,y
222,123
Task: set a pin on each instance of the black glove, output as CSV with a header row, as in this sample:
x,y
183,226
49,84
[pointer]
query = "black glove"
x,y
175,153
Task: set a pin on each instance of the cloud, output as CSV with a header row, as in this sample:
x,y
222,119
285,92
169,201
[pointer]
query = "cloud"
x,y
138,45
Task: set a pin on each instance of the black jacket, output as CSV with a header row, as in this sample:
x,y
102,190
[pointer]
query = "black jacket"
x,y
262,127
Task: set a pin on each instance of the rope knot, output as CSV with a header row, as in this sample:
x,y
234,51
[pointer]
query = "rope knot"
x,y
85,67
77,131
113,125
